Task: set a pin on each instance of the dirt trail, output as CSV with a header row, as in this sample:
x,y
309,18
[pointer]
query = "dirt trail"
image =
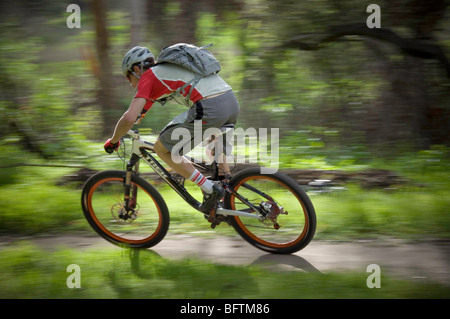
x,y
425,261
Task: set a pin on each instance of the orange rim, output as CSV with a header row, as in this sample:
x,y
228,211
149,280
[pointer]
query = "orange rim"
x,y
262,241
104,229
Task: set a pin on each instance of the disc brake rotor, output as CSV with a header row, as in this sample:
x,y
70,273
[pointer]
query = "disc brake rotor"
x,y
121,215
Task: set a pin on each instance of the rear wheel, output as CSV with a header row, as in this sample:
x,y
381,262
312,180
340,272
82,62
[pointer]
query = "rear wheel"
x,y
290,220
104,208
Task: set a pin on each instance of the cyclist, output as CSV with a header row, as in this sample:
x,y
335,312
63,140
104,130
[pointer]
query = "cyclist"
x,y
212,102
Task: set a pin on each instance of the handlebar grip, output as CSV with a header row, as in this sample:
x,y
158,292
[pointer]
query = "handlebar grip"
x,y
111,147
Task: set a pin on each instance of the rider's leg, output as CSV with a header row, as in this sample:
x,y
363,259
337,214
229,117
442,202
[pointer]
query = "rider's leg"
x,y
212,147
222,146
224,168
179,163
213,192
183,167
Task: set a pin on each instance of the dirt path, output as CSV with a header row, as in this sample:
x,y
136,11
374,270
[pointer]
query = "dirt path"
x,y
425,262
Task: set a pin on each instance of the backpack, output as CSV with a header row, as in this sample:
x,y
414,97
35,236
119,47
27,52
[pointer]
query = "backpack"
x,y
195,59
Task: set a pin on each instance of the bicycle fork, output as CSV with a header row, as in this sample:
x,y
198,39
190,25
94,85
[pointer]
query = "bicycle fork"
x,y
130,190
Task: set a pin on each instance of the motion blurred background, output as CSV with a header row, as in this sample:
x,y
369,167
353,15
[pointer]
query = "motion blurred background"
x,y
345,97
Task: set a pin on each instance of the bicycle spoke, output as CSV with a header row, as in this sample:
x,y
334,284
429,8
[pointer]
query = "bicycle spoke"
x,y
285,220
110,213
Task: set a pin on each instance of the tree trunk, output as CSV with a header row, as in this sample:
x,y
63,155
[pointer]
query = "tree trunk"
x,y
138,22
106,92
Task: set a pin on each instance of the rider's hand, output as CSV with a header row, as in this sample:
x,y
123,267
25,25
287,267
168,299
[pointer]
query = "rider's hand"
x,y
110,147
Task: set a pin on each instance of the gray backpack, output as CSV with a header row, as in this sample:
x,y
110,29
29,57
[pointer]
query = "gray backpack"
x,y
196,59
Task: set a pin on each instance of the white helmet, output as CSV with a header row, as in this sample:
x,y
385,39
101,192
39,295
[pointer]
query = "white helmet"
x,y
135,55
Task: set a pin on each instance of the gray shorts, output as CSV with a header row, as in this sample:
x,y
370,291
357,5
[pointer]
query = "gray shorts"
x,y
191,127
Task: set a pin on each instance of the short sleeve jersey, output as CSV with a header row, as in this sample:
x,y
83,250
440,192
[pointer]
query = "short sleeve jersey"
x,y
163,79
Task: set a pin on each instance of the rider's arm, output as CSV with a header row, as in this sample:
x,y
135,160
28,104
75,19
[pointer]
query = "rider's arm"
x,y
128,118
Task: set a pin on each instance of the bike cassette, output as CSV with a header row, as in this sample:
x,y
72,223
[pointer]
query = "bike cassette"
x,y
272,211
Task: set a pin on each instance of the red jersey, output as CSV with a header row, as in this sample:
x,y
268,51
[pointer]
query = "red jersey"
x,y
163,79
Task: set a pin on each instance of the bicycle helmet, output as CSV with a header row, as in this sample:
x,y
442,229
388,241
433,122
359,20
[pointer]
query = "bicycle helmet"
x,y
135,55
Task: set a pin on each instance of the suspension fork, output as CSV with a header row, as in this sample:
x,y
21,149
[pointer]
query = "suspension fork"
x,y
130,190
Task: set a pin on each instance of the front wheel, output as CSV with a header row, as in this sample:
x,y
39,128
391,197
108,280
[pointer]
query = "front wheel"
x,y
290,220
143,226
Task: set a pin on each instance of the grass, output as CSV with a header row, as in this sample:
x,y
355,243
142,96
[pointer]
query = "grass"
x,y
36,204
28,272
412,214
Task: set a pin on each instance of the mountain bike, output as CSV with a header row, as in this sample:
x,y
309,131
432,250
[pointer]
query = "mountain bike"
x,y
270,211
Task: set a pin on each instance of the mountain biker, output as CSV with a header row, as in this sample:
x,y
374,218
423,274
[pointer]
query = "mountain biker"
x,y
212,102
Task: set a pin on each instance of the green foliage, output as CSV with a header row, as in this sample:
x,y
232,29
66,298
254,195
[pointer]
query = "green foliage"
x,y
319,148
36,101
50,91
411,214
35,204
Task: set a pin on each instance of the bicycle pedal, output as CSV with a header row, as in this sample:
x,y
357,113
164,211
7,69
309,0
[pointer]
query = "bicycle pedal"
x,y
215,222
212,217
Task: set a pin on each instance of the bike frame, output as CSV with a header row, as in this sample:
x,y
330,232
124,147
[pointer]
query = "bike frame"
x,y
143,150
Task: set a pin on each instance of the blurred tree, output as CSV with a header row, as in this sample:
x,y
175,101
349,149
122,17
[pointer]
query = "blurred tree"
x,y
404,109
175,21
138,21
106,96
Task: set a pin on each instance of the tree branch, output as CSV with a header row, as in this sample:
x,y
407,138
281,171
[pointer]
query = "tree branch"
x,y
422,48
